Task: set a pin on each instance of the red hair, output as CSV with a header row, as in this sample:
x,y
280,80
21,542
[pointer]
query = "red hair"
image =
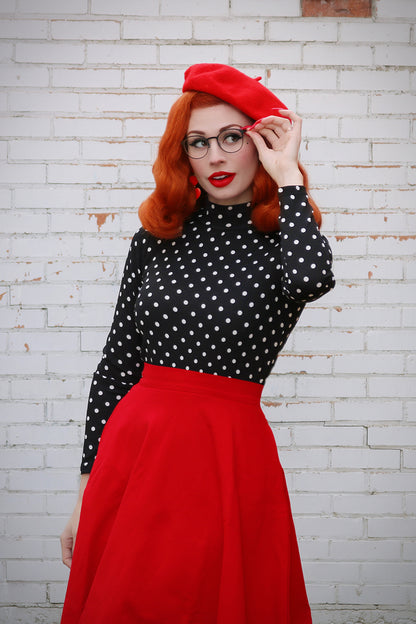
x,y
163,213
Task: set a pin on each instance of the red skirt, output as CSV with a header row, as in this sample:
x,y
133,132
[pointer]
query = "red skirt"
x,y
186,516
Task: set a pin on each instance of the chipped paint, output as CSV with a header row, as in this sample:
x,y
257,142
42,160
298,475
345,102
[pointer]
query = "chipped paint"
x,y
101,218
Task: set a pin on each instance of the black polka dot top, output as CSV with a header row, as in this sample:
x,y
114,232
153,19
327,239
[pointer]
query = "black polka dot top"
x,y
220,299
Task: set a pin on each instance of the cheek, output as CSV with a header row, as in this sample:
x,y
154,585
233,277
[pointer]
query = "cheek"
x,y
249,159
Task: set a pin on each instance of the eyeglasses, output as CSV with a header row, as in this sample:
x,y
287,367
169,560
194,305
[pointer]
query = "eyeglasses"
x,y
229,140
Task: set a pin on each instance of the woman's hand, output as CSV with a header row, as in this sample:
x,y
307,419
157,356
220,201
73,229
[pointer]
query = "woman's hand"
x,y
277,140
69,533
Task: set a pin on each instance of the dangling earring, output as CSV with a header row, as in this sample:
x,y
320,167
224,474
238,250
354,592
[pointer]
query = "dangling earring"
x,y
194,182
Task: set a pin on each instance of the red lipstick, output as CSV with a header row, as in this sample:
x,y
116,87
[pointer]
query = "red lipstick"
x,y
221,178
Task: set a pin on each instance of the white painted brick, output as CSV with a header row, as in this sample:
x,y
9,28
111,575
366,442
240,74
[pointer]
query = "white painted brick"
x,y
48,197
387,527
12,76
50,53
410,269
365,317
314,317
44,294
299,364
42,434
396,245
362,550
397,55
369,410
233,28
302,31
41,389
19,318
80,271
51,246
338,387
84,316
393,482
22,412
51,7
179,54
308,78
364,505
374,80
83,127
402,8
409,461
289,54
6,52
409,550
112,102
372,595
328,341
279,386
23,29
80,30
93,340
335,527
393,104
43,102
81,364
14,174
368,31
159,29
81,222
44,341
194,7
387,152
24,548
392,387
392,340
68,410
83,77
304,459
35,571
272,8
57,592
400,572
24,126
121,54
322,151
311,504
26,364
375,128
82,174
369,175
366,363
348,245
365,458
144,78
133,174
124,7
16,222
318,54
61,458
332,436
409,317
99,293
21,459
299,411
43,150
336,572
145,127
392,436
21,593
115,198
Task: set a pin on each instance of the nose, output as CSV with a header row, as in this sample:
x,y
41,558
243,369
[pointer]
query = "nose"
x,y
216,154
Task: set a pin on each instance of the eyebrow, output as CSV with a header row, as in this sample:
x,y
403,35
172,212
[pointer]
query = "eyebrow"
x,y
202,133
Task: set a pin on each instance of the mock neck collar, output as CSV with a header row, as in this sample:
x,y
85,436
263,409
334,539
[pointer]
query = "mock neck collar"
x,y
226,216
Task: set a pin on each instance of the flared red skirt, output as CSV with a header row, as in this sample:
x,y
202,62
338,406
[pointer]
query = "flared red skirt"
x,y
186,516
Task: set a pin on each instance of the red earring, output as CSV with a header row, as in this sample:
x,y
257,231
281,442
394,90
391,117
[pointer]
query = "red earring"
x,y
194,182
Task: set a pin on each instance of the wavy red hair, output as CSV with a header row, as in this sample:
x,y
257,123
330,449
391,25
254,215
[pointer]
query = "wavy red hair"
x,y
164,212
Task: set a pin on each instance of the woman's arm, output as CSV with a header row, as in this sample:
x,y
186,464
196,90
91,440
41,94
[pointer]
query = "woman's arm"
x,y
70,531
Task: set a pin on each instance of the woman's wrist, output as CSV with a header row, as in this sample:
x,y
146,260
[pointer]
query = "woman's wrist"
x,y
291,177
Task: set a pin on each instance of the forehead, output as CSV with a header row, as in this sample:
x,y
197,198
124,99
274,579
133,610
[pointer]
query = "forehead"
x,y
213,118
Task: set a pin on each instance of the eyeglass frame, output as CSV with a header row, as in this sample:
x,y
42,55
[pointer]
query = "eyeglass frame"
x,y
184,143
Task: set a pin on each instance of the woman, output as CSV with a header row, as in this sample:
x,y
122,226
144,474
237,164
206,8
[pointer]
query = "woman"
x,y
186,517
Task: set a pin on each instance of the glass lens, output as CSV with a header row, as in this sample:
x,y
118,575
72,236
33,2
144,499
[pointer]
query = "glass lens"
x,y
196,146
231,140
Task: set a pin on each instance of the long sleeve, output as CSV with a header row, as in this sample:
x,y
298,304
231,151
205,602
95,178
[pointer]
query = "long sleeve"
x,y
121,364
306,254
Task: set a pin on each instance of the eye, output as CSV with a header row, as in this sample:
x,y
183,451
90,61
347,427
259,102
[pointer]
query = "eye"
x,y
198,142
231,136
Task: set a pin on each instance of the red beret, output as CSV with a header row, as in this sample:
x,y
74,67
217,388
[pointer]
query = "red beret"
x,y
229,84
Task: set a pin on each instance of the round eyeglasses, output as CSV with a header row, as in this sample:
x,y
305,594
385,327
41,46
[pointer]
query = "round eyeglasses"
x,y
229,140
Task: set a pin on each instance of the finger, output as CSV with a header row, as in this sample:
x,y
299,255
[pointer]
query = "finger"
x,y
66,547
273,122
291,115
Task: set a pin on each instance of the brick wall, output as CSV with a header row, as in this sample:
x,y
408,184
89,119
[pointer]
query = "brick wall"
x,y
87,86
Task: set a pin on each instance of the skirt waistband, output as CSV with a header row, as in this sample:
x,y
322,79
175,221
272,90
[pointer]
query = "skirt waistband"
x,y
164,377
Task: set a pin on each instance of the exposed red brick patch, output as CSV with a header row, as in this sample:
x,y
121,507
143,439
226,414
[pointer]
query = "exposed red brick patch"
x,y
101,218
26,346
336,8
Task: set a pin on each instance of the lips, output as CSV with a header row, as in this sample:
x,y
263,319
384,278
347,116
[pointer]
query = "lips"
x,y
220,179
